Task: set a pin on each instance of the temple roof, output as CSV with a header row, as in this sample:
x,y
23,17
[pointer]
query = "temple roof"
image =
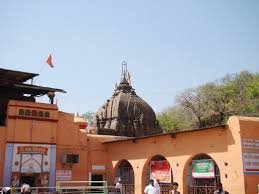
x,y
14,80
36,90
15,76
12,87
126,114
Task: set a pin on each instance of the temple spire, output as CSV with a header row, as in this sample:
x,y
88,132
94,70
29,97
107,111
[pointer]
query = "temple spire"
x,y
124,83
124,71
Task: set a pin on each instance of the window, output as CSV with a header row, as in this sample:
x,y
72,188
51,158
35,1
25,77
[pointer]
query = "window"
x,y
27,112
34,113
21,112
40,114
70,158
46,114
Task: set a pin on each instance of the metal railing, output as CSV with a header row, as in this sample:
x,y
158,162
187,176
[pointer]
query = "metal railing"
x,y
78,187
202,189
98,187
165,188
34,190
128,189
71,190
68,190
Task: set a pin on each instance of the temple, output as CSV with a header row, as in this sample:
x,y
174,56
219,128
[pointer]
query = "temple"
x,y
125,113
43,146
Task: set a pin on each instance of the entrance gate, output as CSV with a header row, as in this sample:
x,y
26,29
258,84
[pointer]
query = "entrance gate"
x,y
202,185
165,187
126,174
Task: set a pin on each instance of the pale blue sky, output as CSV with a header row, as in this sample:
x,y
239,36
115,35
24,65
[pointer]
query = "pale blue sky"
x,y
169,45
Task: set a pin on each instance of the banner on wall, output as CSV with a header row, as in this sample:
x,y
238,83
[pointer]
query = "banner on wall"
x,y
203,168
63,175
250,144
251,163
160,170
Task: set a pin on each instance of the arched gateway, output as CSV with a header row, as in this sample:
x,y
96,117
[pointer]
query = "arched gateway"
x,y
125,173
201,175
157,167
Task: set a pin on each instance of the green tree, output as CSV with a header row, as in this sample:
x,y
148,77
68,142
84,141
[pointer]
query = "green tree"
x,y
89,116
212,103
246,86
174,119
194,103
218,100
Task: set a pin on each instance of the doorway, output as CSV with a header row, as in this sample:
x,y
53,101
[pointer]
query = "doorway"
x,y
126,174
28,179
97,187
203,175
159,163
97,177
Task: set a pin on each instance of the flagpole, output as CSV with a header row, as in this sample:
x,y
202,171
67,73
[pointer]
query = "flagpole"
x,y
49,62
41,69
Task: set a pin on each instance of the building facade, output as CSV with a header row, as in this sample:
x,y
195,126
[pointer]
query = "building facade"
x,y
40,145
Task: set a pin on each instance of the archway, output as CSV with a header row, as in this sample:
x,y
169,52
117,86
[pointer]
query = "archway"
x,y
201,175
125,173
157,167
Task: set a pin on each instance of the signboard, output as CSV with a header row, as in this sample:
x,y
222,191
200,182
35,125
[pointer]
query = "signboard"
x,y
203,168
98,167
160,170
63,175
32,149
250,144
251,163
31,158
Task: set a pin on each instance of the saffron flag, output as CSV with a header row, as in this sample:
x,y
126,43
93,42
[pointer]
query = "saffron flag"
x,y
49,61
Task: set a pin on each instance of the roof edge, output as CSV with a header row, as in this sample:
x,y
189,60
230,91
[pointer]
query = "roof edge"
x,y
171,133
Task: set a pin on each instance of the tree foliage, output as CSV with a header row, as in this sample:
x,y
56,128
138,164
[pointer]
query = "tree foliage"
x,y
173,119
89,116
212,103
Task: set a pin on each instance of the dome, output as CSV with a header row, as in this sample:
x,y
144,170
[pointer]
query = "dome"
x,y
82,123
126,114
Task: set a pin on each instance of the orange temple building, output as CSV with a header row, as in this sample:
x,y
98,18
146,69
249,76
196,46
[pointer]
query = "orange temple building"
x,y
40,144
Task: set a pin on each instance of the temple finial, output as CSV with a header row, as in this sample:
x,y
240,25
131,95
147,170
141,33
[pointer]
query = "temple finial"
x,y
124,70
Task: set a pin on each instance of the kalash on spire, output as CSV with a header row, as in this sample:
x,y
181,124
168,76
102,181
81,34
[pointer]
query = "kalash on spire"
x,y
125,113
